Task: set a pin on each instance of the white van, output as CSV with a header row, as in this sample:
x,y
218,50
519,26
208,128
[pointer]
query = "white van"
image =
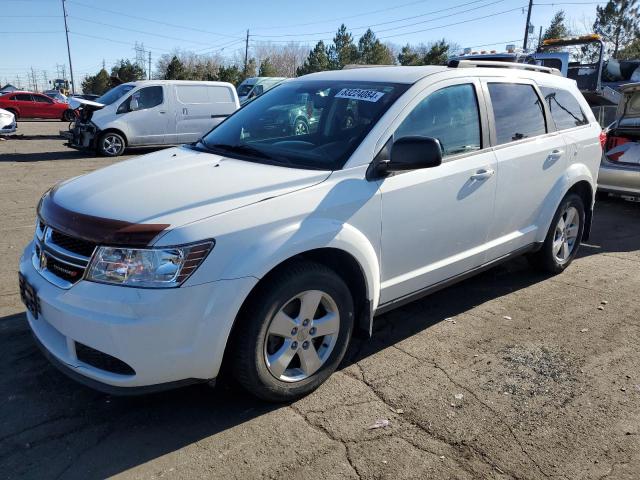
x,y
256,86
150,112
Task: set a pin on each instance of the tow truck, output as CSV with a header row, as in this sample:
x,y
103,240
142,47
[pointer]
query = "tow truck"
x,y
581,58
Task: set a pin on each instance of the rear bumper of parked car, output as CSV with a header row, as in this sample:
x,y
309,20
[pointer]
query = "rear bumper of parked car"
x,y
619,179
131,340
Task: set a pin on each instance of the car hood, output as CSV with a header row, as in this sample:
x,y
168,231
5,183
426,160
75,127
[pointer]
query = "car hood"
x,y
75,103
171,187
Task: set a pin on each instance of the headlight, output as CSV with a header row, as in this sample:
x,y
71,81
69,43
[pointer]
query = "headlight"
x,y
147,267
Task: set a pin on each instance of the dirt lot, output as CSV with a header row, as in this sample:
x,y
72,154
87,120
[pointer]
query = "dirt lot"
x,y
507,375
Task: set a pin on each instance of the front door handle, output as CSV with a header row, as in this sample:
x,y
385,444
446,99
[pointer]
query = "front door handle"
x,y
483,174
555,154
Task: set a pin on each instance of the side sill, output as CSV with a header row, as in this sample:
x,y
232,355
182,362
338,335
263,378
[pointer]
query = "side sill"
x,y
398,302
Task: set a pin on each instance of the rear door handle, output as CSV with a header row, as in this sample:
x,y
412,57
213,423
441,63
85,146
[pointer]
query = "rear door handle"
x,y
483,174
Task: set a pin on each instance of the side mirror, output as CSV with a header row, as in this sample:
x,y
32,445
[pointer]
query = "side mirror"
x,y
133,104
411,153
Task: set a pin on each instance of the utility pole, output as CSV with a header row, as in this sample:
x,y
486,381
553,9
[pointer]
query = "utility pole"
x,y
46,80
526,27
66,31
33,80
540,37
149,75
246,52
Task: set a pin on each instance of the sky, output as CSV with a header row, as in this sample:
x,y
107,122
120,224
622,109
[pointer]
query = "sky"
x,y
32,31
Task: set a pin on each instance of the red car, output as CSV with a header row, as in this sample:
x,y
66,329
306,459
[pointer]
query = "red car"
x,y
35,105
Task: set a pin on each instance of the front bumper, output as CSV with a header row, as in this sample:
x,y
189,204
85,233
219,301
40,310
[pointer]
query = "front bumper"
x,y
167,336
12,127
81,136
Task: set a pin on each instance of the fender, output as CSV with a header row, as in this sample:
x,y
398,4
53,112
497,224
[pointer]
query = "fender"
x,y
575,173
310,234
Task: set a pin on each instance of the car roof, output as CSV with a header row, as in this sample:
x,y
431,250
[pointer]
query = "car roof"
x,y
173,82
410,75
391,74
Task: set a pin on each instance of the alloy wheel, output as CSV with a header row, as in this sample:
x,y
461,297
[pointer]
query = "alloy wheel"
x,y
565,236
112,144
301,336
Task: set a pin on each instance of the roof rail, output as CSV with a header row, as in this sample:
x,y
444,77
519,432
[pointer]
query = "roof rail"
x,y
351,66
516,66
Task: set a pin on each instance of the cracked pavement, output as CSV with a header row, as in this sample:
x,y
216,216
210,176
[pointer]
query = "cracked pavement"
x,y
511,374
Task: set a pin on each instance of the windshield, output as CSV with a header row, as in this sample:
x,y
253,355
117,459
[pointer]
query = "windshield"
x,y
114,94
304,124
244,89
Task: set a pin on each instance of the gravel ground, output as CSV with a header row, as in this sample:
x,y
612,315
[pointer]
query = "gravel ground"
x,y
511,374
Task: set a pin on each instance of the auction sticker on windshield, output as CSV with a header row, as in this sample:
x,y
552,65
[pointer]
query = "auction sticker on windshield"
x,y
360,94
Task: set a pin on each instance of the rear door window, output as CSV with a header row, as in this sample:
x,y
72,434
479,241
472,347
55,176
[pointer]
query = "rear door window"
x,y
23,97
450,115
565,109
42,99
517,110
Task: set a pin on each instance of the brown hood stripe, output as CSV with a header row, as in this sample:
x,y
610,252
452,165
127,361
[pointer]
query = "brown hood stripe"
x,y
96,229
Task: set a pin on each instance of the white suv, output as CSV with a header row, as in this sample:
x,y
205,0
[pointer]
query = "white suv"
x,y
267,248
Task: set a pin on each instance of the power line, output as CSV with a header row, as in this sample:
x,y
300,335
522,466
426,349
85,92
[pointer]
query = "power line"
x,y
340,19
456,23
122,14
137,31
398,20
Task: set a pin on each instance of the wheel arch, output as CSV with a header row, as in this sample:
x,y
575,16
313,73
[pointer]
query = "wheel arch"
x,y
114,130
577,179
583,189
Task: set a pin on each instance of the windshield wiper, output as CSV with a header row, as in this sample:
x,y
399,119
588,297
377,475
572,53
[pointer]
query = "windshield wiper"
x,y
241,149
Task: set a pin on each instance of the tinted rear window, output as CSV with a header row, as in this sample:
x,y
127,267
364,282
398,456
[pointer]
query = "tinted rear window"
x,y
517,110
565,109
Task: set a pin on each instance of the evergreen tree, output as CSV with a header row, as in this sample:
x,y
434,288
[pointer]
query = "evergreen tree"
x,y
97,84
229,74
175,70
631,51
557,28
343,51
409,56
618,23
317,61
438,53
127,71
267,69
372,52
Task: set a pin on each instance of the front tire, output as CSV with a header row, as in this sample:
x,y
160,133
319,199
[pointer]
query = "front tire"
x,y
563,238
111,144
294,332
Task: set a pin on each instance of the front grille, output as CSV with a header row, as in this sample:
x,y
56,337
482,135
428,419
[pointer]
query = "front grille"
x,y
65,271
60,258
75,245
102,361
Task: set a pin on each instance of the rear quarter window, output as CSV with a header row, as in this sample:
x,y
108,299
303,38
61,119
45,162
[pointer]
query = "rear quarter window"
x,y
564,107
192,94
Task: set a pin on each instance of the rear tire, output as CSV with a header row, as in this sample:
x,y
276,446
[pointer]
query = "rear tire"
x,y
111,144
293,334
563,238
68,116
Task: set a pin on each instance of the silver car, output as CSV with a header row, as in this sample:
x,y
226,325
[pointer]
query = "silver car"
x,y
620,166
